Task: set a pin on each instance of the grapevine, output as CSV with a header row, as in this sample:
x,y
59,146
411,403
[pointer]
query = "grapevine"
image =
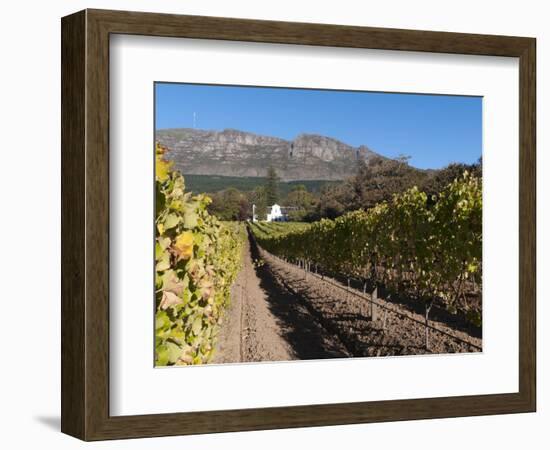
x,y
197,258
429,250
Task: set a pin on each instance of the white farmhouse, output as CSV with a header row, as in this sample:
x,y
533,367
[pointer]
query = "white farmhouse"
x,y
276,214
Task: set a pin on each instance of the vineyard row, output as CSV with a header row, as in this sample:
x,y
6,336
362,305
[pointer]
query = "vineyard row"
x,y
197,260
426,248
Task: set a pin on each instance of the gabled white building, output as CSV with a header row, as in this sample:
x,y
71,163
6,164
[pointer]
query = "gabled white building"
x,y
276,214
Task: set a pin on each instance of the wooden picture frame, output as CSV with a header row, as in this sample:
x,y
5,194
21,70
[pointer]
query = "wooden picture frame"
x,y
85,224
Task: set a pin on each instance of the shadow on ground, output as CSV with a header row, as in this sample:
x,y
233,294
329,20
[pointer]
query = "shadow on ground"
x,y
52,422
308,339
318,327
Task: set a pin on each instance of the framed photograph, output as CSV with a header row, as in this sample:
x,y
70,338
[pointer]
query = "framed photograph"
x,y
272,225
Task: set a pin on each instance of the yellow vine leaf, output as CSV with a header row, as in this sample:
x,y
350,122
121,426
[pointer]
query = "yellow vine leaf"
x,y
160,228
162,168
159,149
184,245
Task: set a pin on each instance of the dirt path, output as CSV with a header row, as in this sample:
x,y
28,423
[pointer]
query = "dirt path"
x,y
265,322
279,313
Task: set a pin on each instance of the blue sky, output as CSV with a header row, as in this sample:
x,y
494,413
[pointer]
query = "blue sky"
x,y
434,130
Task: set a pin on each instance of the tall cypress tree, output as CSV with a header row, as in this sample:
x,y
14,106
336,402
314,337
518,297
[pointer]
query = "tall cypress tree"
x,y
272,186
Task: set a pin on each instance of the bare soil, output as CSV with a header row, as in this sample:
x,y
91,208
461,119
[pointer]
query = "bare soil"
x,y
279,312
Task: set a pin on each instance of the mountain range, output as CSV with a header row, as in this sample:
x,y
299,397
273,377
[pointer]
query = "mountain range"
x,y
234,153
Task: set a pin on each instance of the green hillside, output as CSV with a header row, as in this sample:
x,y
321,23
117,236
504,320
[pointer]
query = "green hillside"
x,y
216,183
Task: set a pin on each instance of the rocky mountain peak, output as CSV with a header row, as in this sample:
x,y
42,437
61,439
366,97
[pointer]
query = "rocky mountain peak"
x,y
233,152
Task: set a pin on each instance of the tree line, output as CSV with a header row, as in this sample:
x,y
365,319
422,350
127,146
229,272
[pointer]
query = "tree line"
x,y
376,180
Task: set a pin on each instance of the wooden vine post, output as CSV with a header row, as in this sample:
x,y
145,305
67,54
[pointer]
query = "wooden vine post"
x,y
374,298
428,307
